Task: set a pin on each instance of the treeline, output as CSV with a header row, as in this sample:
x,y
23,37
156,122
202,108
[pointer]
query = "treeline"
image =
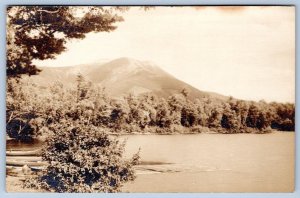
x,y
32,111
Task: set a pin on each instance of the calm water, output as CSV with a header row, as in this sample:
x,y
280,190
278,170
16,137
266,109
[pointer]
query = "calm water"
x,y
214,162
208,162
21,146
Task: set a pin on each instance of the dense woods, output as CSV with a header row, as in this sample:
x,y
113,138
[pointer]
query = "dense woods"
x,y
33,111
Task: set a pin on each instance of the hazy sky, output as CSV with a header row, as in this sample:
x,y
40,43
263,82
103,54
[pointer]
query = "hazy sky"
x,y
245,52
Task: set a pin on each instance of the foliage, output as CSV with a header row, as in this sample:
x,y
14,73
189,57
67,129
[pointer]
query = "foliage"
x,y
283,117
23,121
32,110
86,159
81,155
41,32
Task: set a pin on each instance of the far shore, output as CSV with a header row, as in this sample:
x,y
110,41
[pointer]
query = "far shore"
x,y
44,137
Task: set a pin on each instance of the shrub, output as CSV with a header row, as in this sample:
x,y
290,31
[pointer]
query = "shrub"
x,y
83,159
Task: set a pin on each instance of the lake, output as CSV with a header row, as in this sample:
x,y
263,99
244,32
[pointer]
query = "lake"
x,y
208,162
214,162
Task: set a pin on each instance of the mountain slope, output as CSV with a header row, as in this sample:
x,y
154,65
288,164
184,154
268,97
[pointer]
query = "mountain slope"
x,y
122,76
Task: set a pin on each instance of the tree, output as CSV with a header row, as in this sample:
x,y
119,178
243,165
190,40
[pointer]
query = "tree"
x,y
284,116
82,87
175,104
258,117
133,103
242,109
41,32
21,110
230,119
119,114
147,111
215,114
189,114
163,117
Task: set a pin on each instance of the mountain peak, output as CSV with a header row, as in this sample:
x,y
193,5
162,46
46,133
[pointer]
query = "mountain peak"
x,y
130,65
122,76
123,61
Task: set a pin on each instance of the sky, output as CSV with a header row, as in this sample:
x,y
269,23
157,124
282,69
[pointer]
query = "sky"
x,y
244,52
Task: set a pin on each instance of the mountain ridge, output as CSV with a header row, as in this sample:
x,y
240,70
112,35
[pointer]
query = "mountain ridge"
x,y
123,76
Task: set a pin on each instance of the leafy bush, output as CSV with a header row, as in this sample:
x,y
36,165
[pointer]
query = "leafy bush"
x,y
83,159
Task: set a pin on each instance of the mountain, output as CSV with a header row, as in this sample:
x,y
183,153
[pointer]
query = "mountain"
x,y
122,76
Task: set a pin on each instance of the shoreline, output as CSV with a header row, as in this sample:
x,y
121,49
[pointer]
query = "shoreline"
x,y
44,137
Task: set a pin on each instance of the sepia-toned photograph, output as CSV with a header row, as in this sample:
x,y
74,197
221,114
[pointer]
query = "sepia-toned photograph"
x,y
126,99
